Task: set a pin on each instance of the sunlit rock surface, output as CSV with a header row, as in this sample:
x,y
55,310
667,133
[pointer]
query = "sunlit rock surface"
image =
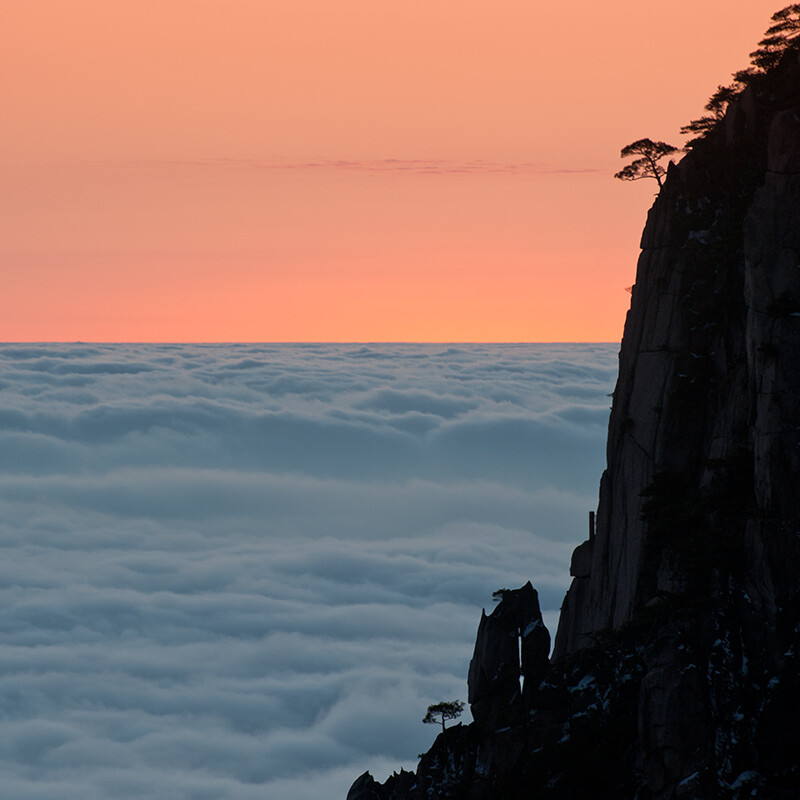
x,y
676,670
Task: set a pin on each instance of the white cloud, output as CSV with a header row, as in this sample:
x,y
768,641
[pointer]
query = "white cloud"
x,y
225,568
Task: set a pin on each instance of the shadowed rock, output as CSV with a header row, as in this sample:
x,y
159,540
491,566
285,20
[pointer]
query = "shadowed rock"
x,y
510,660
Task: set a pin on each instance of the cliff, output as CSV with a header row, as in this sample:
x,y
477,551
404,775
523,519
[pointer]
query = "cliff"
x,y
676,667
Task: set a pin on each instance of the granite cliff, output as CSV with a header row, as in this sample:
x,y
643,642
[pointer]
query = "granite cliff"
x,y
676,667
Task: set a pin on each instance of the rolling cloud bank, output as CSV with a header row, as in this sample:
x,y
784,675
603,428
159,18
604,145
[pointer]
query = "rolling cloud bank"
x,y
226,567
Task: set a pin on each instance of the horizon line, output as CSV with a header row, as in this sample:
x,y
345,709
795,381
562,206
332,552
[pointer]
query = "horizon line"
x,y
293,341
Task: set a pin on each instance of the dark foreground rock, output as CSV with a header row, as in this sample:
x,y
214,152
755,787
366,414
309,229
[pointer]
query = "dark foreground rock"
x,y
676,668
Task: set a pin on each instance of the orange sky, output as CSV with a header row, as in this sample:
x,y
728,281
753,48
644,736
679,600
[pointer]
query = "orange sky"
x,y
338,170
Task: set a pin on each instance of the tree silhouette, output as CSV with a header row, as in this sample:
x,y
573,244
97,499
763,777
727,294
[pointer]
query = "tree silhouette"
x,y
779,37
439,712
646,166
744,76
783,34
717,104
786,22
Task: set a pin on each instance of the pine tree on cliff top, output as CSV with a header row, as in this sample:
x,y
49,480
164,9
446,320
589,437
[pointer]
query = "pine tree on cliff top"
x,y
647,165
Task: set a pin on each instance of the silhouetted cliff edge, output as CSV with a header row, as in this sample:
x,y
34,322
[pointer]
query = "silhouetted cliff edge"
x,y
676,667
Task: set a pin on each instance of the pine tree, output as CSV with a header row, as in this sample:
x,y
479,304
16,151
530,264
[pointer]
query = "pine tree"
x,y
647,165
439,712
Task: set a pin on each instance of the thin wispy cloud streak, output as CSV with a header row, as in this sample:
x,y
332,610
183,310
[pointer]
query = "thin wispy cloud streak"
x,y
417,166
226,566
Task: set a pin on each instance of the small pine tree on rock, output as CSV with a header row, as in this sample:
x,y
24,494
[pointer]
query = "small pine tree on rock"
x,y
647,165
717,104
439,712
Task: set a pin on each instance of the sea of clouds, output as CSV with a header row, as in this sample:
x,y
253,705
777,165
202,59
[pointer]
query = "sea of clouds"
x,y
244,571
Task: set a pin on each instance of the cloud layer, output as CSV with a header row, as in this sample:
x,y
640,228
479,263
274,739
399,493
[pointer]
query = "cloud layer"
x,y
244,571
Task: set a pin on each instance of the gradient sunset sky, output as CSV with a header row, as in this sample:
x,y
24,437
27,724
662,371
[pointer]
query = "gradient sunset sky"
x,y
339,170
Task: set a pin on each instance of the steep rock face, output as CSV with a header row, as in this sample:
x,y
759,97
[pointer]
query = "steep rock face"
x,y
676,668
706,408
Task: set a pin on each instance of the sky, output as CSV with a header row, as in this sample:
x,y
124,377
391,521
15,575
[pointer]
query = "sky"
x,y
226,567
307,170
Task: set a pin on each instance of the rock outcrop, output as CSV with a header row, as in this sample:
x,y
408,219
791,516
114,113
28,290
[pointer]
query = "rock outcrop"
x,y
511,658
676,668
